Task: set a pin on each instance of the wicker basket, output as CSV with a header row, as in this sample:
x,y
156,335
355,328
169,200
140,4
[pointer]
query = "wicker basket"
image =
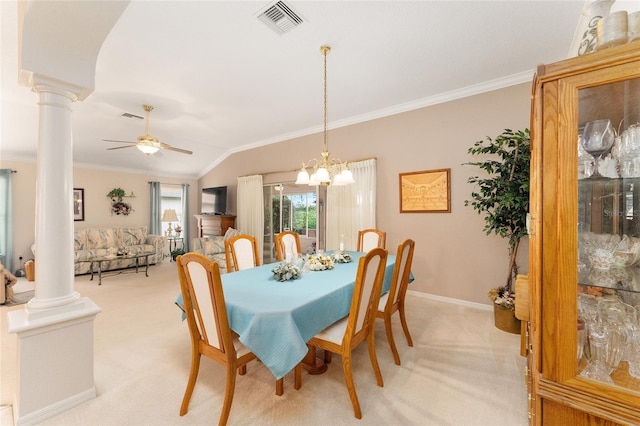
x,y
30,270
505,319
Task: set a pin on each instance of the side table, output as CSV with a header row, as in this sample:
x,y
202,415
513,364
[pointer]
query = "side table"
x,y
173,244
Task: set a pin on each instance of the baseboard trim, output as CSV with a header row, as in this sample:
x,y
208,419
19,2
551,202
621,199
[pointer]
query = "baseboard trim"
x,y
54,409
450,300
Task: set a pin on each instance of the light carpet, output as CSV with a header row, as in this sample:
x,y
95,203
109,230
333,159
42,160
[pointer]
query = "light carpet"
x,y
20,298
461,370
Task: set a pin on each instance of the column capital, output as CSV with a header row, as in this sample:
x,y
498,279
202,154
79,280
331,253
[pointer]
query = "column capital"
x,y
40,83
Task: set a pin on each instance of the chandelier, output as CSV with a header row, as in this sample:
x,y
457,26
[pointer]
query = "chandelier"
x,y
327,170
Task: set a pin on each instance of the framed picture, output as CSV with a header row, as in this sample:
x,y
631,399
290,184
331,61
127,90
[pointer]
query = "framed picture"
x,y
428,191
78,204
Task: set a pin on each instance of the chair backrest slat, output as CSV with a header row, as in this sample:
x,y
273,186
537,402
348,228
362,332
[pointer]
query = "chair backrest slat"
x,y
241,252
203,304
401,271
287,245
205,309
371,238
366,292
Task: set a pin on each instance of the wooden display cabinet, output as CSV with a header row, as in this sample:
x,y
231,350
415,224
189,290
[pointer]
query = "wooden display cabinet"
x,y
565,214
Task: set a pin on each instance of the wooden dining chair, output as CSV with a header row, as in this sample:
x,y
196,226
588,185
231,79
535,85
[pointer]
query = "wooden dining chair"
x,y
208,323
343,336
287,245
241,253
371,238
393,300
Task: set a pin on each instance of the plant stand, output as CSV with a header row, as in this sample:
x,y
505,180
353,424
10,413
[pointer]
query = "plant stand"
x,y
505,319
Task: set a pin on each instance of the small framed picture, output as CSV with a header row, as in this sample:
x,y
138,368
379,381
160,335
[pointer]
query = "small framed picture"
x,y
78,204
428,191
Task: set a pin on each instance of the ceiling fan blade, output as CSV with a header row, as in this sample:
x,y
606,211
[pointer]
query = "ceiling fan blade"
x,y
111,140
171,148
120,147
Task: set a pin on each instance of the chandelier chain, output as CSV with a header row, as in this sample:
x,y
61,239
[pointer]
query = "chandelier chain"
x,y
325,51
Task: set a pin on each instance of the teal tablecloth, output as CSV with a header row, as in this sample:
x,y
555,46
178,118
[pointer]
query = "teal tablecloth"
x,y
276,319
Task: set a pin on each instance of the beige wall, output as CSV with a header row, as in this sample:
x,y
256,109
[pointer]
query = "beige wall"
x,y
96,184
453,257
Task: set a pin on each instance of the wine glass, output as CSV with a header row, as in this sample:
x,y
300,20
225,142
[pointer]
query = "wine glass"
x,y
597,139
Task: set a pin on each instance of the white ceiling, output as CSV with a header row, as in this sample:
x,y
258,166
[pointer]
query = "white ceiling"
x,y
222,81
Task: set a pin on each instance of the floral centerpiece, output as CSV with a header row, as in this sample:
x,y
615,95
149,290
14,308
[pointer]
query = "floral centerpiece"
x,y
341,257
319,262
286,271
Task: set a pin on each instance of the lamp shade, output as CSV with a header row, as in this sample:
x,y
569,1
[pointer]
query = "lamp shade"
x,y
169,215
148,149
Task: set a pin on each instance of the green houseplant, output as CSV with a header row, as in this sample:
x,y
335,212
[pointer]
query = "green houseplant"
x,y
118,206
177,252
502,196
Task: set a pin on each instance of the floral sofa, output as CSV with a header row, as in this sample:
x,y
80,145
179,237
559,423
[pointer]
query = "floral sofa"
x,y
212,247
91,242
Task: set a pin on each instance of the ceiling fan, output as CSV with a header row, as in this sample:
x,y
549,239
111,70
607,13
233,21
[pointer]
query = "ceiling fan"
x,y
147,143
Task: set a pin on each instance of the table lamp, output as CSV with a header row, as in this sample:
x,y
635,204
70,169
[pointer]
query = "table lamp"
x,y
169,215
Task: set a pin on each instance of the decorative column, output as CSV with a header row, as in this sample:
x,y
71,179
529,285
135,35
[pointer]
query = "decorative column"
x,y
55,330
54,199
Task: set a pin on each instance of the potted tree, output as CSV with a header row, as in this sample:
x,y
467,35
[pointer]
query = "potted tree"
x,y
502,196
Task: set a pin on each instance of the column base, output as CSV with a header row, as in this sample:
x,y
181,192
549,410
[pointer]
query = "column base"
x,y
55,359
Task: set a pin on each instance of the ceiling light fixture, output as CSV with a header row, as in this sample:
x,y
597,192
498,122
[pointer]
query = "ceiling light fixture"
x,y
327,170
147,143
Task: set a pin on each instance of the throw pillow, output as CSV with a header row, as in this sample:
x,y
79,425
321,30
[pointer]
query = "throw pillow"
x,y
231,233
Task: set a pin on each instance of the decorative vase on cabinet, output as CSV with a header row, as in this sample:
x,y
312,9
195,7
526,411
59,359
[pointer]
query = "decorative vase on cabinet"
x,y
584,239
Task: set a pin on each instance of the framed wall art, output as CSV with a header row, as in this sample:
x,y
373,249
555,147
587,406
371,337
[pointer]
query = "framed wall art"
x,y
78,204
428,191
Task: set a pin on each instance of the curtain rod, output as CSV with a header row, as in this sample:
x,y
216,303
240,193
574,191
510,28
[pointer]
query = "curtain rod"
x,y
296,170
166,183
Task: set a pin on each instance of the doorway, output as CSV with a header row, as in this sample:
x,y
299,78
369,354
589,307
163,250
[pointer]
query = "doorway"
x,y
289,207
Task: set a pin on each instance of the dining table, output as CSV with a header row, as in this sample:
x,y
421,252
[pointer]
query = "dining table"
x,y
275,319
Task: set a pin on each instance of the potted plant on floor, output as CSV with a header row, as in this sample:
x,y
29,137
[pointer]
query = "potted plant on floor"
x,y
502,196
177,252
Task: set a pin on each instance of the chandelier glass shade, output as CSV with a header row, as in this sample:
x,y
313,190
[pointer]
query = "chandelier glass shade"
x,y
327,170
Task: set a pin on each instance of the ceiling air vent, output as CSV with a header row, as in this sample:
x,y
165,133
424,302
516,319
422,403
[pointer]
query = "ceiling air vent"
x,y
129,115
280,17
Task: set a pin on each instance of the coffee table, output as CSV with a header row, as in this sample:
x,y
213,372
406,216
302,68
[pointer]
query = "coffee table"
x,y
96,261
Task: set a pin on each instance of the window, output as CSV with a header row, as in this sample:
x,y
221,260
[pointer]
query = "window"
x,y
171,198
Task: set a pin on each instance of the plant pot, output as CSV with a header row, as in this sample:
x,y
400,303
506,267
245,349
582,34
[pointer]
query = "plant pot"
x,y
505,319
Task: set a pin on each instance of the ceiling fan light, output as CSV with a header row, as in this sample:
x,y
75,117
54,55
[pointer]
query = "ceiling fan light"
x,y
148,149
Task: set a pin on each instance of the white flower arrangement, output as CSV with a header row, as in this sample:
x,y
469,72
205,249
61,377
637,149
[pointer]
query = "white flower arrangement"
x,y
286,271
341,257
319,262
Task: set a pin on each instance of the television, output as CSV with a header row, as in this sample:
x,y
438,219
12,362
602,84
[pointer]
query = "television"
x,y
214,200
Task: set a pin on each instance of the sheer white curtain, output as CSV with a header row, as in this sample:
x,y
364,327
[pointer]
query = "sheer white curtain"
x,y
250,218
352,207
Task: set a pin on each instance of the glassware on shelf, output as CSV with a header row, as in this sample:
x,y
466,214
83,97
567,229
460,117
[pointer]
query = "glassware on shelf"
x,y
582,338
599,337
585,161
597,139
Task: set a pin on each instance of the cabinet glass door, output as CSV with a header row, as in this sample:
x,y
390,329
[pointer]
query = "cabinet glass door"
x,y
608,153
